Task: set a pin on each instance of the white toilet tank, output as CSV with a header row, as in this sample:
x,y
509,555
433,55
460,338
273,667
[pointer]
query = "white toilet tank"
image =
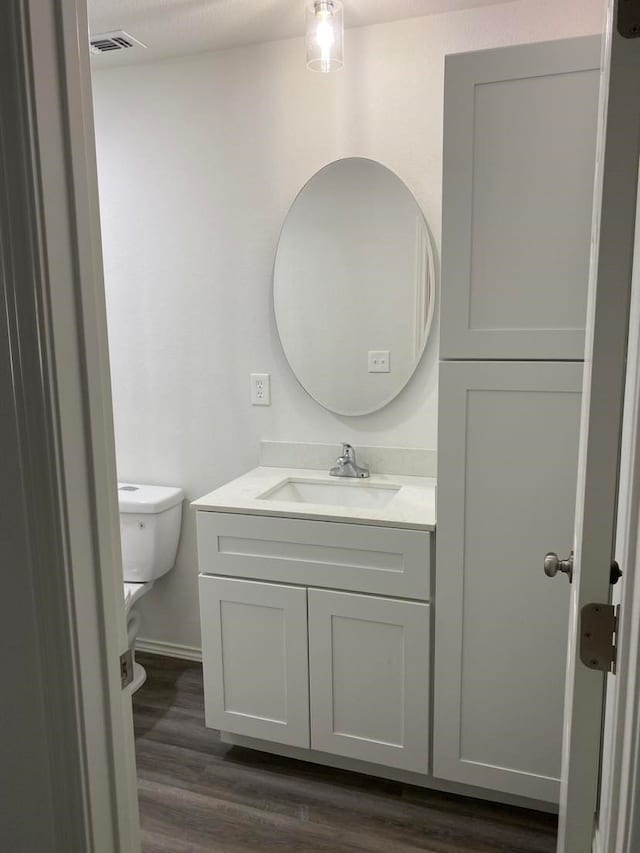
x,y
150,519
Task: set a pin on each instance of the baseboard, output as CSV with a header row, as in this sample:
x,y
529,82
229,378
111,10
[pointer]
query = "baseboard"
x,y
169,650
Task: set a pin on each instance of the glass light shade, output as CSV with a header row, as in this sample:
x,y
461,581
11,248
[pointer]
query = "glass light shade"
x,y
324,35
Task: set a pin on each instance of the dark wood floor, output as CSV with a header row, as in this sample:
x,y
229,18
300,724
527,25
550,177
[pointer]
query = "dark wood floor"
x,y
198,794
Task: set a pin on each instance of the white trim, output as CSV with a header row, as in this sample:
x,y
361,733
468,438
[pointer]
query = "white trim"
x,y
620,796
92,506
169,650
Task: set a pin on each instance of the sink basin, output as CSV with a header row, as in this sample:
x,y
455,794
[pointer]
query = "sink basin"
x,y
354,493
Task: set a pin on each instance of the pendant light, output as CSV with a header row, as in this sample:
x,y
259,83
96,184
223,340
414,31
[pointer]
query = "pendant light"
x,y
324,35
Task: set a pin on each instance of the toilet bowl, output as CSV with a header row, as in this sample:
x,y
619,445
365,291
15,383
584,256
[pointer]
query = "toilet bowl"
x,y
150,518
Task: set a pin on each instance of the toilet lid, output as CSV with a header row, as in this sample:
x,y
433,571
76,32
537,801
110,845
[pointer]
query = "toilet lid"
x,y
138,498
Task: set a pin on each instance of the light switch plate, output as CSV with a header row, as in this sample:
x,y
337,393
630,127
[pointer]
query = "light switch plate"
x,y
379,361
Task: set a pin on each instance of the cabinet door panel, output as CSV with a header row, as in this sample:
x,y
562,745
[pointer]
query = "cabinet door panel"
x,y
369,678
507,464
519,162
254,656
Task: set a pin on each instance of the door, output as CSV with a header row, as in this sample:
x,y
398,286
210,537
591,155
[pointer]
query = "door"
x,y
369,678
254,651
604,381
507,431
519,152
52,267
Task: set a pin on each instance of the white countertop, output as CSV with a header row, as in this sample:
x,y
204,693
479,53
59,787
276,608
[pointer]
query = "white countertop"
x,y
414,506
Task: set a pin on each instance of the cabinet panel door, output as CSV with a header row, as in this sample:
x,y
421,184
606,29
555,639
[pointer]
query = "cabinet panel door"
x,y
254,657
369,677
519,162
508,450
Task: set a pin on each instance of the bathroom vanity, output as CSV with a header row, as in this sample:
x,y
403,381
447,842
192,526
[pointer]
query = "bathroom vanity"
x,y
316,618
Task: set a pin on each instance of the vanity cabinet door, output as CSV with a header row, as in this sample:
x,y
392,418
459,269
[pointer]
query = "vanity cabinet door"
x,y
254,657
507,471
369,678
518,176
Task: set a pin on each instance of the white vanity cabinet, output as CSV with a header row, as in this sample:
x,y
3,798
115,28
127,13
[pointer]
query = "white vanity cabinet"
x,y
344,673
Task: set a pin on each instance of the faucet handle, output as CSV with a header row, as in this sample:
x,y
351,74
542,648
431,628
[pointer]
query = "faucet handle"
x,y
348,452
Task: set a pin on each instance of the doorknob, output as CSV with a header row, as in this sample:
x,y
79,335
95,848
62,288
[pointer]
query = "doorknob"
x,y
553,564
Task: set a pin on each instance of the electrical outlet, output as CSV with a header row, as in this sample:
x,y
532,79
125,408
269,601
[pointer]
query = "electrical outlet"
x,y
379,361
260,389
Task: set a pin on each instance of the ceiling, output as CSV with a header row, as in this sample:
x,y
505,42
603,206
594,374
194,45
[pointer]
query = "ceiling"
x,y
176,27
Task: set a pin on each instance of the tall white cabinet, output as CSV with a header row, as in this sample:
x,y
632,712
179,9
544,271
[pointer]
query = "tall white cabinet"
x,y
520,134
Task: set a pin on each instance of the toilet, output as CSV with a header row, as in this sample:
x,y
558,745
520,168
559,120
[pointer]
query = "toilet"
x,y
150,518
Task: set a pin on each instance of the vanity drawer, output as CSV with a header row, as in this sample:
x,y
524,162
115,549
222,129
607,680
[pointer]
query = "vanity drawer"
x,y
381,560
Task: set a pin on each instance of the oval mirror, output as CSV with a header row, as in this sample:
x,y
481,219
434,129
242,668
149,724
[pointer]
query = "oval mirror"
x,y
354,286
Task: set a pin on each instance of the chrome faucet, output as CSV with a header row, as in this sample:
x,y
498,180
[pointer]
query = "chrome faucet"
x,y
346,465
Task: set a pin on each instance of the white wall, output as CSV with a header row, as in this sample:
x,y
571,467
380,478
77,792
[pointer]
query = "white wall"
x,y
199,159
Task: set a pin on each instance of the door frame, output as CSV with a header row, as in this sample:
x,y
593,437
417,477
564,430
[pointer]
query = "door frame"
x,y
60,432
70,383
618,825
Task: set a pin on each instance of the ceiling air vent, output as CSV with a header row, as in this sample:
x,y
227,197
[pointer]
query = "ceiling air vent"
x,y
108,42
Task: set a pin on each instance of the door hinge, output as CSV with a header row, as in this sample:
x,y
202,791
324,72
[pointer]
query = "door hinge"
x,y
598,636
629,19
126,668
